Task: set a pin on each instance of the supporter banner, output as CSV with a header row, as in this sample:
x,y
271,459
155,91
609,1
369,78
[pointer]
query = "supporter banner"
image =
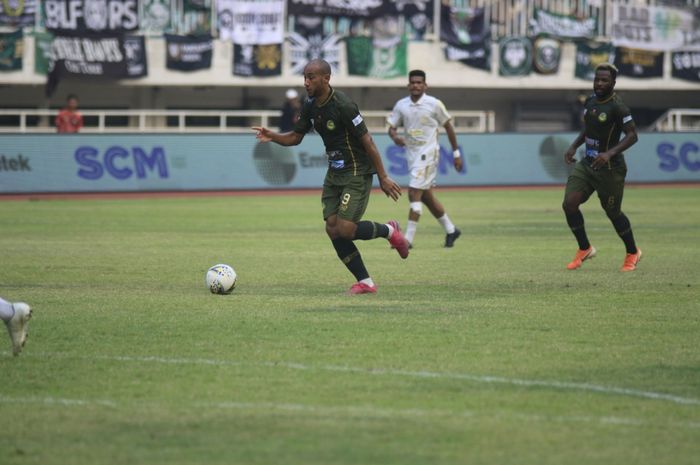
x,y
42,52
257,22
224,18
98,56
171,162
304,49
476,55
307,26
653,27
547,53
463,26
257,60
91,16
382,59
17,13
11,47
686,65
418,13
136,61
639,63
563,26
358,9
591,54
194,18
155,16
515,56
186,53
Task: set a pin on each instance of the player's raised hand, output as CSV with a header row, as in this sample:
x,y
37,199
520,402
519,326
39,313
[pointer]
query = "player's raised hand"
x,y
262,134
390,187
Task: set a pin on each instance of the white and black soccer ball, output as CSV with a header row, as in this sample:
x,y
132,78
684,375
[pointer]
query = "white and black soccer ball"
x,y
221,279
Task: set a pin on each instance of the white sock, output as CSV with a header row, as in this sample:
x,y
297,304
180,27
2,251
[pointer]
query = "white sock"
x,y
391,231
446,224
6,310
368,281
411,227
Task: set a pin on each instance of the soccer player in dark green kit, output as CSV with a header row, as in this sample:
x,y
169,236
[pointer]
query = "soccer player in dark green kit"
x,y
353,159
603,168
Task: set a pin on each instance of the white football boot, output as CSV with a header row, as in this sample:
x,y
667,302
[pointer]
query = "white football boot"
x,y
18,326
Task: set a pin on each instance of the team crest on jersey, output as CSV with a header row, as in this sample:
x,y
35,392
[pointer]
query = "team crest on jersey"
x,y
602,117
330,125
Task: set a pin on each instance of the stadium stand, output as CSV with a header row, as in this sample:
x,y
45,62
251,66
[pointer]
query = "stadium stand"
x,y
215,99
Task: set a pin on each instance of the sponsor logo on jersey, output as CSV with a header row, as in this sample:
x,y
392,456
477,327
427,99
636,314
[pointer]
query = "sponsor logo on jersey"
x,y
330,125
602,117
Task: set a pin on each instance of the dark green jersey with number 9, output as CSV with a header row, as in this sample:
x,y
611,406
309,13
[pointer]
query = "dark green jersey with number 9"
x,y
340,125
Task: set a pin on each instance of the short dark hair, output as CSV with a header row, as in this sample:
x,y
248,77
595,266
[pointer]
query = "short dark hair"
x,y
71,96
416,72
609,67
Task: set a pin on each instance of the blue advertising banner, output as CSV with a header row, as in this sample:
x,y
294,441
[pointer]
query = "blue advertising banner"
x,y
156,162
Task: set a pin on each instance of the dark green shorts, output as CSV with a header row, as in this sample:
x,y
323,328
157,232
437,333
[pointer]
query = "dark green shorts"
x,y
346,195
608,182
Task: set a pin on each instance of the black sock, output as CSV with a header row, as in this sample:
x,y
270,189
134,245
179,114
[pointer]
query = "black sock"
x,y
624,230
350,256
367,230
575,222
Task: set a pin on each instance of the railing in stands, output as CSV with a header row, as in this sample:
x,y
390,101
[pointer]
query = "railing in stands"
x,y
678,120
190,121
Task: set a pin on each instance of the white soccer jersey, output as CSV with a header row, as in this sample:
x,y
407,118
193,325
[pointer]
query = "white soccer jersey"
x,y
421,121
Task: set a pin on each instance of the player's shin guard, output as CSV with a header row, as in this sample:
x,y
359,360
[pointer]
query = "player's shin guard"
x,y
367,230
575,222
624,230
350,256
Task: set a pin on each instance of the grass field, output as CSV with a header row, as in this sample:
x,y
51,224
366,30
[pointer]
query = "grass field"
x,y
488,353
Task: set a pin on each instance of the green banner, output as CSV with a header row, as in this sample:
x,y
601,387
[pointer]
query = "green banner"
x,y
515,57
378,59
591,54
11,49
42,52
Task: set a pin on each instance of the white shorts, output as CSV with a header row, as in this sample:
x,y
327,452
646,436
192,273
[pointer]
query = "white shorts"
x,y
423,176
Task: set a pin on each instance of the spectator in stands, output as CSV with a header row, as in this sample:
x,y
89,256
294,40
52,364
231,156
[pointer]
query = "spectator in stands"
x,y
69,120
16,317
290,110
602,168
421,116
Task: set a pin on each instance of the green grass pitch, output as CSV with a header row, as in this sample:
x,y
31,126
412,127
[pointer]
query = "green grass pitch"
x,y
488,353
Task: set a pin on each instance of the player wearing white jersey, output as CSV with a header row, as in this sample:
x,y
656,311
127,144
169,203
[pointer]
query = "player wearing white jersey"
x,y
422,115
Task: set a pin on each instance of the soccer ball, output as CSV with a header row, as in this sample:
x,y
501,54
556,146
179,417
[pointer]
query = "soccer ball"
x,y
221,279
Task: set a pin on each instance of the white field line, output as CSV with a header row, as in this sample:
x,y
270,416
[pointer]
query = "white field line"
x,y
365,411
553,384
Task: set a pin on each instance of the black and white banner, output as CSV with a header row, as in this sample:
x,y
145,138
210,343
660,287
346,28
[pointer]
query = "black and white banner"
x,y
17,13
685,64
639,63
257,60
350,9
84,17
99,56
188,53
463,26
250,22
476,55
304,49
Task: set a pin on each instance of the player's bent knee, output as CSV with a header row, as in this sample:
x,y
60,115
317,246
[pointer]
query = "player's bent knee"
x,y
416,207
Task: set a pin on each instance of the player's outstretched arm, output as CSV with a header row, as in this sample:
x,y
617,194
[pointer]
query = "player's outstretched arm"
x,y
288,138
388,185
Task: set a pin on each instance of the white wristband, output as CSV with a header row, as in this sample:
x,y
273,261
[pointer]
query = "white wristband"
x,y
456,154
